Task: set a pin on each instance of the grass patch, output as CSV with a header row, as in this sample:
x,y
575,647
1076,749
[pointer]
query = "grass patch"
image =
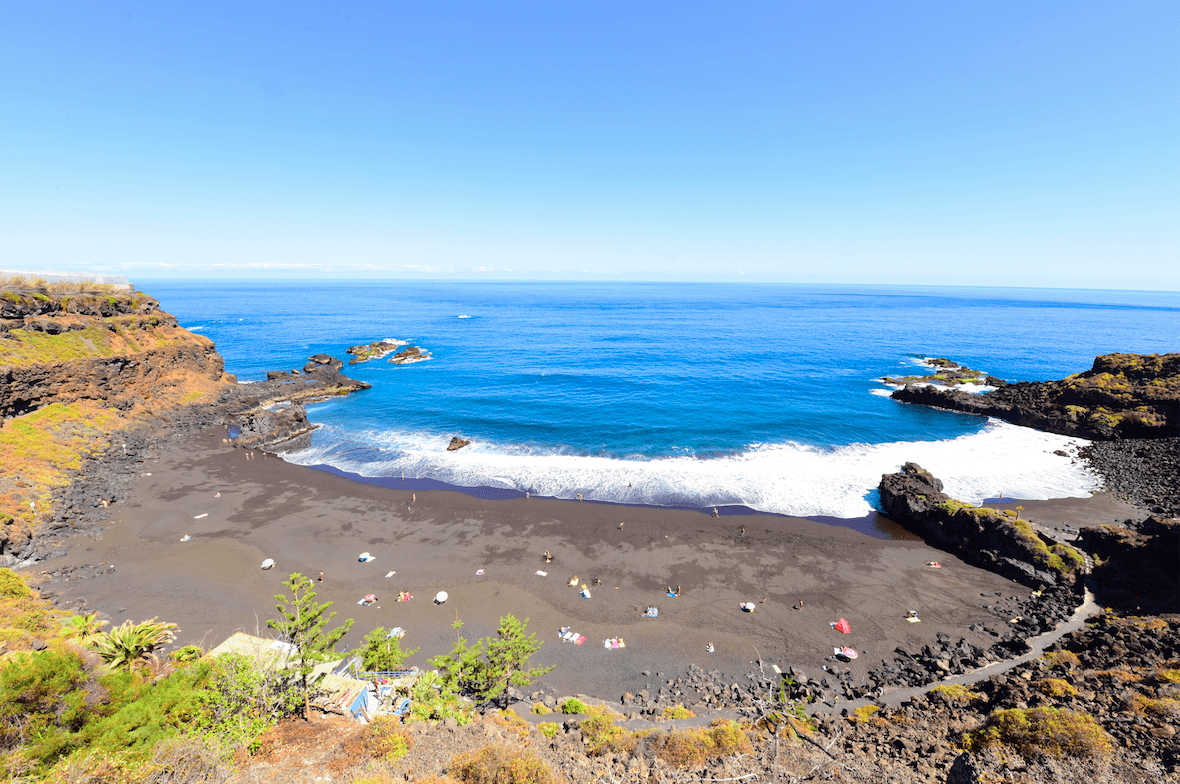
x,y
1041,732
539,709
548,728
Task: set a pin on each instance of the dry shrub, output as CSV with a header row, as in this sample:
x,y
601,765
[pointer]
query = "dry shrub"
x,y
692,748
186,760
1163,708
499,764
387,739
1041,732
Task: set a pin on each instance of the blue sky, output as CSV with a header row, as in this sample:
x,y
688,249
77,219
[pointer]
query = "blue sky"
x,y
976,143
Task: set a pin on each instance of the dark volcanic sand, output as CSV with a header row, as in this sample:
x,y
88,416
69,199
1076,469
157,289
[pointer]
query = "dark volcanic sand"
x,y
310,521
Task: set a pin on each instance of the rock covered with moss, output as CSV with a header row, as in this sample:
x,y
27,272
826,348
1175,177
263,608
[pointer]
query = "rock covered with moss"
x,y
989,538
1121,396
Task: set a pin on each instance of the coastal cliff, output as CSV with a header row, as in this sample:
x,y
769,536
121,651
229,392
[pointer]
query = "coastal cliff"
x,y
117,349
989,538
1121,396
80,363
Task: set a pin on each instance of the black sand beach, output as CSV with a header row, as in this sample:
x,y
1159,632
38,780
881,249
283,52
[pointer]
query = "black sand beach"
x,y
311,521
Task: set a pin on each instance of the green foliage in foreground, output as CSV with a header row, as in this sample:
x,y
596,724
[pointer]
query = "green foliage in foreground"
x,y
57,708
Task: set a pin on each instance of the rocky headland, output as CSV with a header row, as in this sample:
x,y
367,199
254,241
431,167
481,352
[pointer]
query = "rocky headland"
x,y
1121,396
990,538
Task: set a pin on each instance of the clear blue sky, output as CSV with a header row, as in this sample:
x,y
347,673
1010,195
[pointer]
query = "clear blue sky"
x,y
994,143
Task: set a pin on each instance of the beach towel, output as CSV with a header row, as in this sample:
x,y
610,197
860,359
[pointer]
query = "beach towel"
x,y
581,639
542,574
914,619
365,558
652,612
585,593
185,538
842,626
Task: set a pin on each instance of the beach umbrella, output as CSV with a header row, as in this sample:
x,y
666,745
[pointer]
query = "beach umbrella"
x,y
268,563
440,597
842,626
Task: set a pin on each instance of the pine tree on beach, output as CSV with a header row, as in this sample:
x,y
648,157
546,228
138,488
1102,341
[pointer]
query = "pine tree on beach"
x,y
508,654
302,625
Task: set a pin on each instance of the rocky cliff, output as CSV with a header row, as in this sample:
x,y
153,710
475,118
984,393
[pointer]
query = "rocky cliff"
x,y
1121,396
988,538
119,350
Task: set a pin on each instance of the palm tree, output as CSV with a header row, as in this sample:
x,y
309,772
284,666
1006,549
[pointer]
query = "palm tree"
x,y
127,645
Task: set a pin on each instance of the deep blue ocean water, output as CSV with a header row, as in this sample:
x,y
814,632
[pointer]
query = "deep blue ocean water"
x,y
696,394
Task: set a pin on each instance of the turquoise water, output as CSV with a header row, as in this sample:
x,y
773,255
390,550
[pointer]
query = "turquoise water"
x,y
698,394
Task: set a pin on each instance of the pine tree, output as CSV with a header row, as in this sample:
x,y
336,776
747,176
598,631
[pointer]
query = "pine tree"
x,y
383,653
508,654
302,626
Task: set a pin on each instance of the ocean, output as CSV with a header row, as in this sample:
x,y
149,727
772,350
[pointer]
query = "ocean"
x,y
760,395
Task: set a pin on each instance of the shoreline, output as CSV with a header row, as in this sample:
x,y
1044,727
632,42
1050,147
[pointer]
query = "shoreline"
x,y
311,520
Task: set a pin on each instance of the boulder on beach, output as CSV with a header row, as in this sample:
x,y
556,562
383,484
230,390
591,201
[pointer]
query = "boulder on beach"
x,y
456,443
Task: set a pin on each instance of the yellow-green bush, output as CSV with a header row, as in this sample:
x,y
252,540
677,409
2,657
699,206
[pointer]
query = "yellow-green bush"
x,y
540,709
602,736
548,728
1062,658
573,705
957,692
678,712
1041,732
498,764
389,740
1057,688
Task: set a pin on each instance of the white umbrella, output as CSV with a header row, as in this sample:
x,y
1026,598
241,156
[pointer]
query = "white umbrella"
x,y
440,597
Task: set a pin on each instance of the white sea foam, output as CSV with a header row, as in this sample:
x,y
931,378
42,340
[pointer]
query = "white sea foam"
x,y
784,478
882,392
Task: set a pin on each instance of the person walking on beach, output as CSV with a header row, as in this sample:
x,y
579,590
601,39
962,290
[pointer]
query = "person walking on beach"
x,y
715,512
320,578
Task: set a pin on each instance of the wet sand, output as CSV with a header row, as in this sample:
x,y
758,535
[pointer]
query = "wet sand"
x,y
310,521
